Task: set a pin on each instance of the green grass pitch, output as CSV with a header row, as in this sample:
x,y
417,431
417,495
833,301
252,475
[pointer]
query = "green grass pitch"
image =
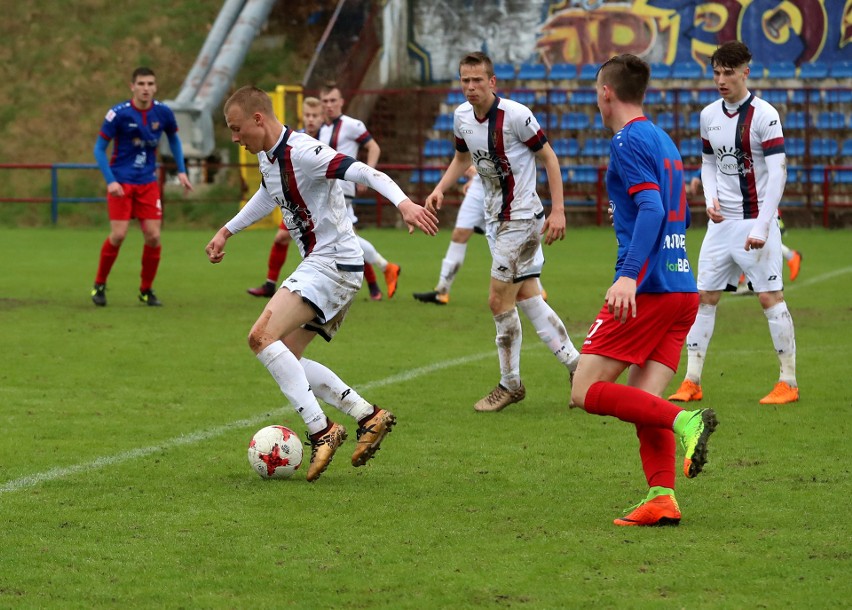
x,y
124,480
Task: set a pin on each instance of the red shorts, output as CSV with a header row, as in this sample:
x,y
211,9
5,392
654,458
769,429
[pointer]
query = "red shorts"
x,y
656,333
140,201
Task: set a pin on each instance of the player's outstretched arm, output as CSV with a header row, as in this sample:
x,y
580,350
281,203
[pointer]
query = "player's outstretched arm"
x,y
416,216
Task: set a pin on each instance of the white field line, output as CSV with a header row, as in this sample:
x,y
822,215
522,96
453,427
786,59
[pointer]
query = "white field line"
x,y
189,439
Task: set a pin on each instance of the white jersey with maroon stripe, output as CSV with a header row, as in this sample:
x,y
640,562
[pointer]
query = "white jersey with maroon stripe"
x,y
503,148
345,135
301,176
741,141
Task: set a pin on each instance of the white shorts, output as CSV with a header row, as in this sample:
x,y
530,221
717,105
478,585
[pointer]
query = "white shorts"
x,y
329,288
723,256
516,253
472,210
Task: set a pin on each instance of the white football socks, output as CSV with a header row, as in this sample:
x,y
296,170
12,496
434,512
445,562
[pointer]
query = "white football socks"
x,y
697,341
330,388
450,266
371,255
784,339
551,330
509,348
286,370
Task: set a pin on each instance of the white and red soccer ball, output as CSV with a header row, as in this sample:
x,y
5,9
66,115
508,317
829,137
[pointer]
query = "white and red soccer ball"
x,y
275,452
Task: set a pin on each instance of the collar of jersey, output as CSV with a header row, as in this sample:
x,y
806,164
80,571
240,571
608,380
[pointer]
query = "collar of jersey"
x,y
280,144
744,104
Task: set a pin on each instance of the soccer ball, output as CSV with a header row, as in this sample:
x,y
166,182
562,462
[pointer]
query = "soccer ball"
x,y
275,452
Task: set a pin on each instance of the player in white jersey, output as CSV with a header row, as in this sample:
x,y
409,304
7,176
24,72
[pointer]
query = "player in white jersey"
x,y
502,139
743,174
300,175
348,135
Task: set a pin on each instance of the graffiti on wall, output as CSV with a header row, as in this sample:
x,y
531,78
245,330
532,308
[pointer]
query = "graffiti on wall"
x,y
592,31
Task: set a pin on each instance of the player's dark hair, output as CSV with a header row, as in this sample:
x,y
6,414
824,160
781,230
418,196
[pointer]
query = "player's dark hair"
x,y
328,87
250,100
732,54
141,71
627,75
478,59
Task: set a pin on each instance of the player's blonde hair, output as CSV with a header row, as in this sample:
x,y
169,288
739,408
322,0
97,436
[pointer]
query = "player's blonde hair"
x,y
312,102
250,100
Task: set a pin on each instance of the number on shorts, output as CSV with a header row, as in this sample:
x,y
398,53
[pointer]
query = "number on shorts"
x,y
594,328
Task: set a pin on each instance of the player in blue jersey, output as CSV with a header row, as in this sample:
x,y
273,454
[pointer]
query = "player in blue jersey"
x,y
653,300
135,126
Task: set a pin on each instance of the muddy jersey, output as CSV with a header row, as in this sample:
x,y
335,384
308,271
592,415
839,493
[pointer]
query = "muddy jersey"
x,y
345,135
502,148
740,141
300,176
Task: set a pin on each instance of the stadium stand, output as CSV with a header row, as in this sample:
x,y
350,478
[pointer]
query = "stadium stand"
x,y
814,70
781,69
532,72
563,72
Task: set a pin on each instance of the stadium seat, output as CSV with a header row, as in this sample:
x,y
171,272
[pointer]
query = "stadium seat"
x,y
563,72
565,147
756,70
655,96
687,70
546,121
846,149
522,96
781,69
660,70
707,96
693,123
831,120
823,147
597,122
455,98
443,122
584,174
814,70
816,175
796,120
595,147
532,72
843,176
438,148
800,96
557,96
588,72
774,96
504,71
840,69
838,96
584,97
795,147
690,148
575,120
666,121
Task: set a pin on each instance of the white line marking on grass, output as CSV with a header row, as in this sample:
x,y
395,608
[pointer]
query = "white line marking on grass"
x,y
203,435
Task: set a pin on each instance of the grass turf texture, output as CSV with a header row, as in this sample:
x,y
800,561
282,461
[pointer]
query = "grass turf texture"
x,y
124,480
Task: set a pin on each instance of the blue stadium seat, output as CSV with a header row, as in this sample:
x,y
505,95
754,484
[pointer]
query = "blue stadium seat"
x,y
455,98
846,149
843,176
687,70
595,147
781,69
588,71
802,95
655,96
840,69
584,97
693,123
532,72
584,174
597,122
438,148
566,173
795,147
565,147
814,70
443,122
575,120
504,71
774,96
838,96
823,147
660,70
831,120
666,121
557,96
756,70
796,120
546,121
816,175
563,72
707,96
522,96
690,148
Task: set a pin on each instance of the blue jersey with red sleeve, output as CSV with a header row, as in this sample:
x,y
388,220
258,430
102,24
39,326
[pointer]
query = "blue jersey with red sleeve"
x,y
648,196
135,134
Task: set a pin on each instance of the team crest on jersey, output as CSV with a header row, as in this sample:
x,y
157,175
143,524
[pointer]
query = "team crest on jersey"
x,y
110,115
155,125
733,162
488,166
